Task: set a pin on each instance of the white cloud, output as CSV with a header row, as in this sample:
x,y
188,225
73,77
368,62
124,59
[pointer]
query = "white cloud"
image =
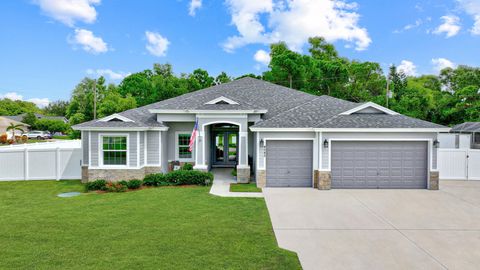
x,y
408,68
156,44
294,22
262,57
41,102
472,7
88,41
110,74
69,11
407,27
194,5
450,26
441,63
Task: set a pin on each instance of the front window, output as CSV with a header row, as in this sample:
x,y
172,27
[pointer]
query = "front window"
x,y
115,150
183,140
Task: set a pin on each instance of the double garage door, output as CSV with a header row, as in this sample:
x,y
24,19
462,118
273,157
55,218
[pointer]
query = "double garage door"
x,y
379,164
353,164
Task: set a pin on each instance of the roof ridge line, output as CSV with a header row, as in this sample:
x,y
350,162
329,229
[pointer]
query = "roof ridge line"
x,y
275,116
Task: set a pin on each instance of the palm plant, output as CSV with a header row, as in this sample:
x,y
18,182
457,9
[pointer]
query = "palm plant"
x,y
14,128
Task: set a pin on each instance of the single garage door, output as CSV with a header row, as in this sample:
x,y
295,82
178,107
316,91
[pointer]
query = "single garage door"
x,y
379,164
289,163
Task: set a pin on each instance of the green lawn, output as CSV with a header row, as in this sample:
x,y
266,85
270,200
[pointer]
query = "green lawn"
x,y
250,187
157,228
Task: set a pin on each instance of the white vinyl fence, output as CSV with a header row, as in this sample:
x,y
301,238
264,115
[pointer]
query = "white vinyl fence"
x,y
41,161
459,164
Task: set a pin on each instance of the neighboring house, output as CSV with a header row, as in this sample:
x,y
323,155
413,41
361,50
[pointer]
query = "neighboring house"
x,y
469,128
5,122
280,136
38,116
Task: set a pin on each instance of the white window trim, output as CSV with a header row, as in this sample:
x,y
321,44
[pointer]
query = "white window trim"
x,y
100,150
115,116
177,154
220,99
370,105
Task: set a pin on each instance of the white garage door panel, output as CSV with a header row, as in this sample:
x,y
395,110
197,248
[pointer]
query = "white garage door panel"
x,y
379,164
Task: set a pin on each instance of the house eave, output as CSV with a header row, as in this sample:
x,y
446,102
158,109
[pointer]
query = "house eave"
x,y
372,130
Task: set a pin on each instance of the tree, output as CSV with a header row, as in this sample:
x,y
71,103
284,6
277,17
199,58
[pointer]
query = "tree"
x,y
204,80
52,125
57,108
222,78
30,119
14,127
16,107
114,103
320,49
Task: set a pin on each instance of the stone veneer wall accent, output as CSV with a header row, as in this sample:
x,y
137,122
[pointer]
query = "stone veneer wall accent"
x,y
243,175
261,178
322,180
433,181
117,174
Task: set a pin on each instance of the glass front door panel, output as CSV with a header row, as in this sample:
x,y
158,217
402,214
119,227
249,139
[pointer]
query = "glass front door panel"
x,y
232,147
219,147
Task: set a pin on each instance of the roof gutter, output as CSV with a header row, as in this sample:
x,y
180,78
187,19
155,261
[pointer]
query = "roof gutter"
x,y
206,111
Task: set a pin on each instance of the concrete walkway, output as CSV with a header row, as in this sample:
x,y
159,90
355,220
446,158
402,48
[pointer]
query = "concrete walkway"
x,y
380,229
221,185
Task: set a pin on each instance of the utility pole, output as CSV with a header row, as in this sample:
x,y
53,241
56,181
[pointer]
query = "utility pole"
x,y
94,99
388,89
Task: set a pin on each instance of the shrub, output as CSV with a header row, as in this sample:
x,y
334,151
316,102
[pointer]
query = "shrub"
x,y
187,167
116,187
182,177
134,184
96,185
154,180
3,138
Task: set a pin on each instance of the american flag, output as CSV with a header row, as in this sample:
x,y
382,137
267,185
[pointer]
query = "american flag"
x,y
193,136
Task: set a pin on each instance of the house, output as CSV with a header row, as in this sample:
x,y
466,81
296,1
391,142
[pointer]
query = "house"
x,y
5,122
38,116
470,130
279,136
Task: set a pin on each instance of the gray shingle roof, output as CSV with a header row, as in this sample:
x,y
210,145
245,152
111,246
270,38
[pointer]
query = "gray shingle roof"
x,y
286,108
466,127
20,117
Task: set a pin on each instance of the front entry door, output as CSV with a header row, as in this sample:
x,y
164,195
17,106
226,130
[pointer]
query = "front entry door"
x,y
225,148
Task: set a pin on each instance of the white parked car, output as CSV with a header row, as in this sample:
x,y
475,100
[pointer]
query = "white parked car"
x,y
40,135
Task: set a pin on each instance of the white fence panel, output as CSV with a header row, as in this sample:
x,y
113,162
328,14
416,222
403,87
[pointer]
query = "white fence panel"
x,y
42,161
473,164
452,164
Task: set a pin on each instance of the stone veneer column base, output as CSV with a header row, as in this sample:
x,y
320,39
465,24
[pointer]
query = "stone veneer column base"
x,y
434,181
322,180
243,174
115,175
261,178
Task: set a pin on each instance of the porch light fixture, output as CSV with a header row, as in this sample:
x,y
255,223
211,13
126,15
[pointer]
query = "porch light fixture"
x,y
436,143
261,142
325,144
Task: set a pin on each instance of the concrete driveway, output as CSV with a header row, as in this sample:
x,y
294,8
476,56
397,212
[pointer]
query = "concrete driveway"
x,y
380,229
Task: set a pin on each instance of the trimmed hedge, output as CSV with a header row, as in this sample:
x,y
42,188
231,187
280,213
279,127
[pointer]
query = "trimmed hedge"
x,y
154,180
187,167
134,184
182,177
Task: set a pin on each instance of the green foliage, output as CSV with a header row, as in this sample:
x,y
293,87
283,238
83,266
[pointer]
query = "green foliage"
x,y
56,108
181,177
52,125
16,107
154,180
96,185
30,119
114,103
187,167
134,184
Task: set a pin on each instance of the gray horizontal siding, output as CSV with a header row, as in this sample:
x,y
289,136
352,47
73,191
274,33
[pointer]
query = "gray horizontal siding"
x,y
85,147
153,147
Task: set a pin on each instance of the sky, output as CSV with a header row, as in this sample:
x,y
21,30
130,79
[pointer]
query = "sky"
x,y
48,46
